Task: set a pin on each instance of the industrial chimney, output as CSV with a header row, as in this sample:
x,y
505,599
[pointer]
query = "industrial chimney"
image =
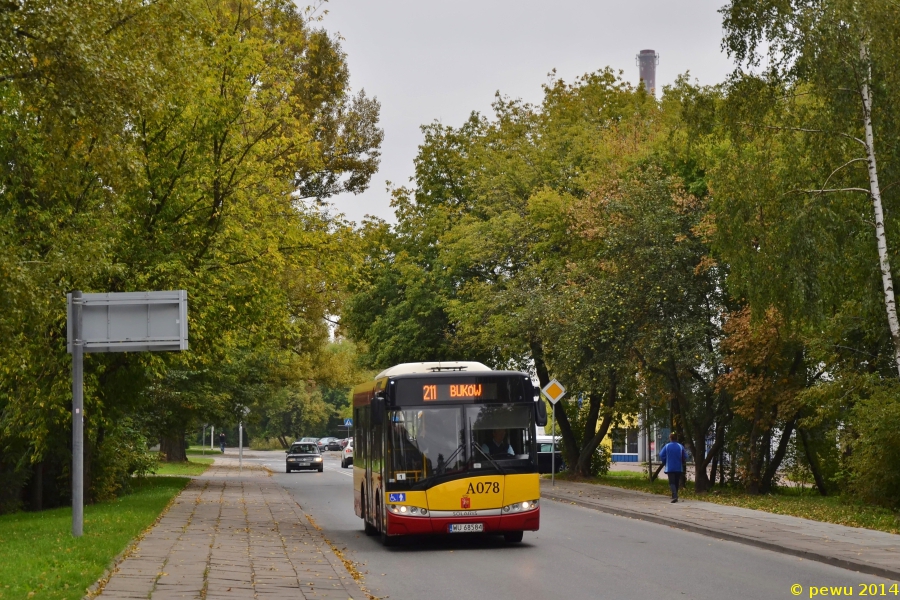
x,y
647,61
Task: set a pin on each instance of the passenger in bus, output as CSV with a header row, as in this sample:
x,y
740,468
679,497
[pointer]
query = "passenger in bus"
x,y
497,445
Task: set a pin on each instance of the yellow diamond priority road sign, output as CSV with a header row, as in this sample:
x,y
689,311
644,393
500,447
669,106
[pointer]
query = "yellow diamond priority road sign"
x,y
554,391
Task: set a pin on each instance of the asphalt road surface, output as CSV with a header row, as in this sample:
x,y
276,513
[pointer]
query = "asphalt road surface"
x,y
578,553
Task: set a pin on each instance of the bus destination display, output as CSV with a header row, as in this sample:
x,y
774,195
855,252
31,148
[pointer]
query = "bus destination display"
x,y
442,392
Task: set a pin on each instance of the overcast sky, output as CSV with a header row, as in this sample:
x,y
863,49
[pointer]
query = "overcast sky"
x,y
428,60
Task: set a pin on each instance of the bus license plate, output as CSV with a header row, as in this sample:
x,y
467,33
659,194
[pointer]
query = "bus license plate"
x,y
466,527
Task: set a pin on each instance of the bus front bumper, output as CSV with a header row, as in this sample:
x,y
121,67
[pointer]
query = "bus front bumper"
x,y
400,525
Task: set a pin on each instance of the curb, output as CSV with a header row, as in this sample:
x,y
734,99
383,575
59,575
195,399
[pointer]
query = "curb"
x,y
862,567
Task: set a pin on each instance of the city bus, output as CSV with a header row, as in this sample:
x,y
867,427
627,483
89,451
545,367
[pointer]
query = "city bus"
x,y
445,448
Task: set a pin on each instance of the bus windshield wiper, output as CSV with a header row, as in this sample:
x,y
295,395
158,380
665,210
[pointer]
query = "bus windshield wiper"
x,y
443,467
487,456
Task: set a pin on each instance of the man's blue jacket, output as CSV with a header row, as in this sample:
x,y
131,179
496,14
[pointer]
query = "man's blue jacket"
x,y
673,456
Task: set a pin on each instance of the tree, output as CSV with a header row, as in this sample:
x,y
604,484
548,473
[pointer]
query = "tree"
x,y
170,145
766,373
481,261
832,67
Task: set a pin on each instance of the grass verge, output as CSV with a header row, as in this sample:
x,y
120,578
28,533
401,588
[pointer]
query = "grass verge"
x,y
39,558
193,467
203,451
787,501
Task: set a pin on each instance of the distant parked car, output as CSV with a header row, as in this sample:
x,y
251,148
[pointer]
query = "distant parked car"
x,y
545,454
329,443
303,456
307,440
347,454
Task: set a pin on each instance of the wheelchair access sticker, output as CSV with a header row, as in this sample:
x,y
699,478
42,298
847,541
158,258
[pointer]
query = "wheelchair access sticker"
x,y
397,497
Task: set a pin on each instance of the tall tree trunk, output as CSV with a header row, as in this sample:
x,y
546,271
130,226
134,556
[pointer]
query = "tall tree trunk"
x,y
769,476
884,260
813,461
570,445
697,447
172,446
701,479
592,439
754,462
717,453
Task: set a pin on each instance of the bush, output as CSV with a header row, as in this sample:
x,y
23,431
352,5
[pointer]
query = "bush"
x,y
600,461
124,452
874,457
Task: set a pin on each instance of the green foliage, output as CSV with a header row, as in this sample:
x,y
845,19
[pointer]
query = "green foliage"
x,y
874,447
557,236
600,461
169,145
123,454
793,170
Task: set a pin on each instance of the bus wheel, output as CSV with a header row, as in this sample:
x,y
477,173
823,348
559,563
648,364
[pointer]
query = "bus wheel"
x,y
513,537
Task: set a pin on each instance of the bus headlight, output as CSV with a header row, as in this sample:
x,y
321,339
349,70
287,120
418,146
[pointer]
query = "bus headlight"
x,y
407,511
520,506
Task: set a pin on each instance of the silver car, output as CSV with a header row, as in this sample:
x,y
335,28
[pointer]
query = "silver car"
x,y
303,457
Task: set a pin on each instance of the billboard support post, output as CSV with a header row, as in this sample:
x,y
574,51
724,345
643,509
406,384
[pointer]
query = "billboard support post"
x,y
115,322
77,418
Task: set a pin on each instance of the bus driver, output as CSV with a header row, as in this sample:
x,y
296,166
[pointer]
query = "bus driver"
x,y
497,444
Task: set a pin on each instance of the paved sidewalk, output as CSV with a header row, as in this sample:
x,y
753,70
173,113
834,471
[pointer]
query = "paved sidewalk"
x,y
863,550
231,536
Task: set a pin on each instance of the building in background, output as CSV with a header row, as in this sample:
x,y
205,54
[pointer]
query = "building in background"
x,y
647,60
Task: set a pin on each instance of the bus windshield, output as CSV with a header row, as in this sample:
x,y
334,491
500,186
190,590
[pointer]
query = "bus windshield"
x,y
428,444
501,431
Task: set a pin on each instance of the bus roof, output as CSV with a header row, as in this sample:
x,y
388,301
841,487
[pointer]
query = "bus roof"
x,y
460,366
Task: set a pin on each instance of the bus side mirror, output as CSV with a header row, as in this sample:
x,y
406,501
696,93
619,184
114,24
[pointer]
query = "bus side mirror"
x,y
540,413
378,407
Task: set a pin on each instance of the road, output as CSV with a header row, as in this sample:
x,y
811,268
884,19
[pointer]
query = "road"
x,y
578,553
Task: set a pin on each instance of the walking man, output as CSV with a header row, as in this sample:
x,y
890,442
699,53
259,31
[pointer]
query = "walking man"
x,y
674,457
222,442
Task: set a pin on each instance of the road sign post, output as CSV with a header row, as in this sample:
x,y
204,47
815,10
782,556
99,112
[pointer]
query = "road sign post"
x,y
348,423
115,322
554,392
